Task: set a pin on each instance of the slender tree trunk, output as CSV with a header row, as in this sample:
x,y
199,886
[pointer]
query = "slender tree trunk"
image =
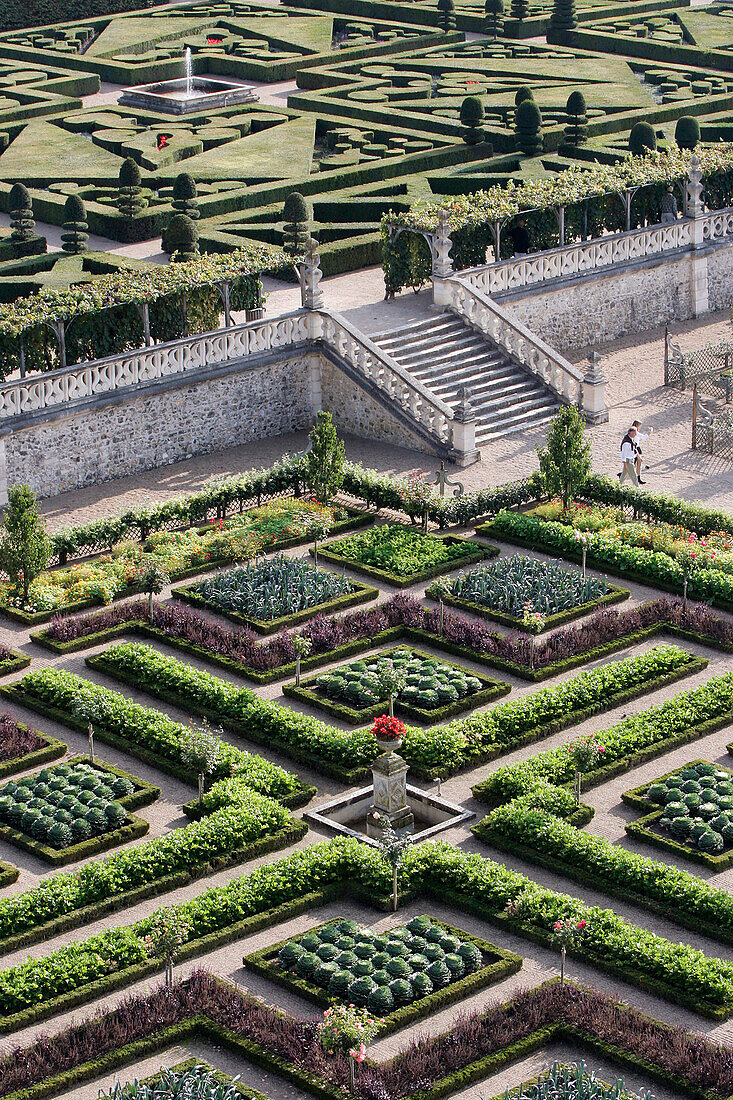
x,y
150,607
201,787
394,889
562,965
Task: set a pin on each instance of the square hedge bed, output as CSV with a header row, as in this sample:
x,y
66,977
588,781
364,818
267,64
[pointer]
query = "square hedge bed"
x,y
400,975
454,687
701,794
402,555
281,592
95,799
498,590
29,747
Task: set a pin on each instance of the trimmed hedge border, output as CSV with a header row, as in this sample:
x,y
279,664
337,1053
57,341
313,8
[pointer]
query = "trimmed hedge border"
x,y
244,729
52,750
8,874
504,964
641,830
133,829
479,553
614,595
361,593
14,663
490,690
23,698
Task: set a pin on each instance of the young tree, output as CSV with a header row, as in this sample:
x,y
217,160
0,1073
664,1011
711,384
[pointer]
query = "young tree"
x,y
152,579
576,130
185,200
182,238
447,9
494,22
325,473
200,750
318,528
565,462
22,225
169,931
642,138
519,10
687,132
393,848
25,548
528,127
296,230
472,115
75,236
130,200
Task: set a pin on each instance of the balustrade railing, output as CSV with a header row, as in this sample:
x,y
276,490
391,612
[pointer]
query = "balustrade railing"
x,y
587,256
516,340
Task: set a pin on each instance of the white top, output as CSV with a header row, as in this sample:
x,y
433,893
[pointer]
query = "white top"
x,y
627,452
641,435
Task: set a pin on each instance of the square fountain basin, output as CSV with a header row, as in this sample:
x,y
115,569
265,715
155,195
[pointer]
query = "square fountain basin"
x,y
171,96
347,814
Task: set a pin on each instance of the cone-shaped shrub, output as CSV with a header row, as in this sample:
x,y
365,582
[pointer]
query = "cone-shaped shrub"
x,y
20,208
75,236
687,132
528,126
525,92
472,115
576,130
642,138
494,22
185,196
183,237
519,10
296,230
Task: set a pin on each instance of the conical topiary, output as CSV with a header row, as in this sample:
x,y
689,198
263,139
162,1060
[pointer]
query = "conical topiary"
x,y
472,115
528,126
183,238
185,199
447,10
576,130
521,94
296,230
75,236
130,200
642,138
519,10
563,19
687,132
494,22
22,225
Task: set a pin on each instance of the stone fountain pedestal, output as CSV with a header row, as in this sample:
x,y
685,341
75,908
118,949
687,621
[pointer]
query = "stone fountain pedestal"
x,y
389,774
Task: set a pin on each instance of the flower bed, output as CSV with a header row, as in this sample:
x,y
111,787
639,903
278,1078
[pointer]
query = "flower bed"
x,y
614,549
22,747
400,975
271,595
402,555
510,588
147,733
281,523
438,751
688,811
434,690
73,810
476,1045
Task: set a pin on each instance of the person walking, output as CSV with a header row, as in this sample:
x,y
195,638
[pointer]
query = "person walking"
x,y
628,458
638,440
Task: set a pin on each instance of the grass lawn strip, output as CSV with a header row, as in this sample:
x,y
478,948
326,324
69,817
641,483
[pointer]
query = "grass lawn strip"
x,y
438,750
494,965
487,690
139,794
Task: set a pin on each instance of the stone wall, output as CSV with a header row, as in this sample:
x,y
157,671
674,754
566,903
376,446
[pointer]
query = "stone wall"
x,y
720,279
355,411
141,430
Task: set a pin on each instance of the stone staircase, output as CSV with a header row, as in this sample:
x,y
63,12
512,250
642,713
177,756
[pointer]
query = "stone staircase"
x,y
445,354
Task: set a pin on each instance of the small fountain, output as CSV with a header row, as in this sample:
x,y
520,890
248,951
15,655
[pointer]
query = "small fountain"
x,y
390,798
188,93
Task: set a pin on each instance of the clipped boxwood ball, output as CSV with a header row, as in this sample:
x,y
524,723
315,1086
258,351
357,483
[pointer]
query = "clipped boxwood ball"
x,y
381,977
307,964
398,968
324,973
421,985
381,1001
360,989
438,973
339,983
289,954
401,990
642,138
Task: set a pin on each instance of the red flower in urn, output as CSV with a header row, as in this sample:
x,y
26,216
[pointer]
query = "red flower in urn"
x,y
388,729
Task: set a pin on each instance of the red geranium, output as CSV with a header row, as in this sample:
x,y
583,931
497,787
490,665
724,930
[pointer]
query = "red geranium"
x,y
388,729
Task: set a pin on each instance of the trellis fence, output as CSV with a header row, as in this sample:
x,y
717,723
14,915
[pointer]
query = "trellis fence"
x,y
712,430
710,369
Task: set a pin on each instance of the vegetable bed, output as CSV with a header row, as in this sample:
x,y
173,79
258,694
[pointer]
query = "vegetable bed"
x,y
401,555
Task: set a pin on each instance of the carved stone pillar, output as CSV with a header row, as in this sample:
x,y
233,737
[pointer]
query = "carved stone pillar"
x,y
464,431
389,772
311,294
442,263
594,392
694,208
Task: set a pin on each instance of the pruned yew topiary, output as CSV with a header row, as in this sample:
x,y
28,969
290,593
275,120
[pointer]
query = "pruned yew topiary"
x,y
75,236
519,10
472,115
20,207
563,19
687,132
296,230
642,138
494,22
447,14
522,93
182,236
185,199
576,129
130,200
528,126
